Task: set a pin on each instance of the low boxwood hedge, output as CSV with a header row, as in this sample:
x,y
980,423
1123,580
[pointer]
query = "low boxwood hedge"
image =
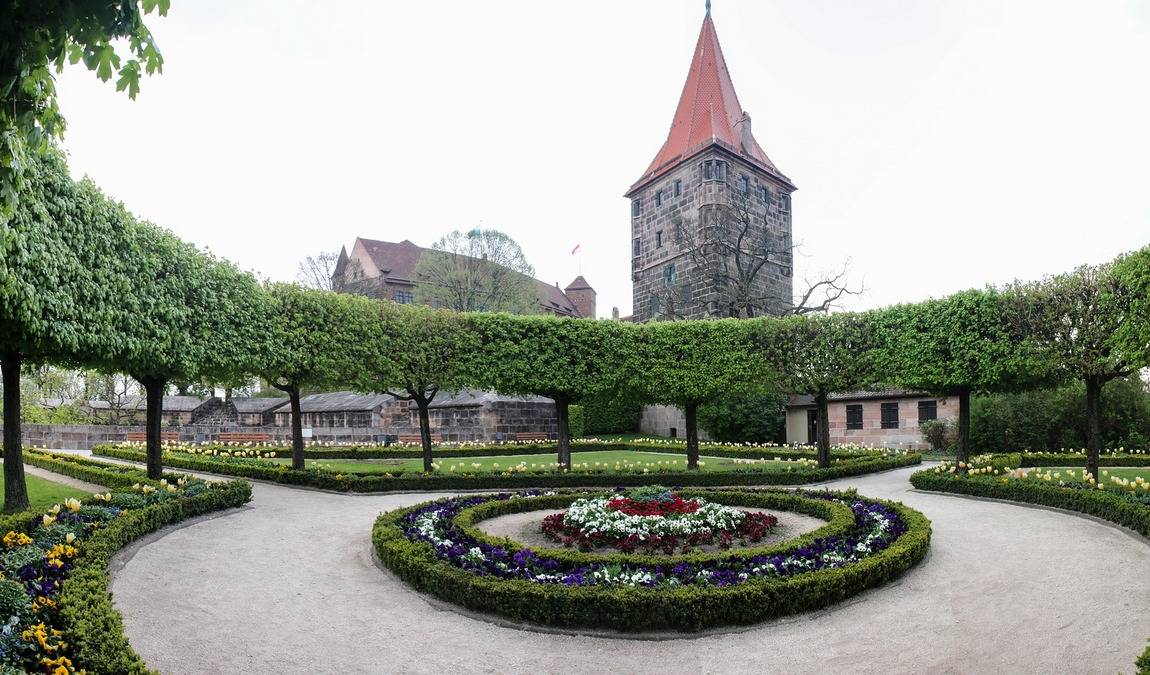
x,y
1030,459
636,608
839,516
386,482
1110,505
515,449
91,625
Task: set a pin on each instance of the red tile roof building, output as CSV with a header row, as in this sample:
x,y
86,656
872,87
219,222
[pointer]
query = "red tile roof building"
x,y
709,152
386,270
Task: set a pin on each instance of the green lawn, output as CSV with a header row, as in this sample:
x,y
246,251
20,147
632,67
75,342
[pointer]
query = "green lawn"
x,y
606,459
43,493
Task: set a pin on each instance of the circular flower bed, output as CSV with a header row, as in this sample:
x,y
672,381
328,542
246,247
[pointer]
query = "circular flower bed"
x,y
655,518
867,542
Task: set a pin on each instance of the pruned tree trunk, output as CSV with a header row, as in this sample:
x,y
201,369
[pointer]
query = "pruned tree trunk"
x,y
154,391
823,445
15,488
297,461
1093,425
563,425
423,403
963,452
691,411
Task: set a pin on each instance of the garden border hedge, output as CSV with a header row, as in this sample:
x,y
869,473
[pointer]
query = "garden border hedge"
x,y
838,516
549,448
685,608
1107,505
383,482
92,625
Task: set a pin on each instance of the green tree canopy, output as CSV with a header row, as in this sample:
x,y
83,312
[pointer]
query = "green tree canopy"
x,y
37,38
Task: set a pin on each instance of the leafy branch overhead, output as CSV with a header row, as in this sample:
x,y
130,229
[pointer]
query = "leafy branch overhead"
x,y
37,39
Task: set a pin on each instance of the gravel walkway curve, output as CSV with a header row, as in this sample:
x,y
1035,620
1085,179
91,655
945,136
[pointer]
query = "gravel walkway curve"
x,y
288,585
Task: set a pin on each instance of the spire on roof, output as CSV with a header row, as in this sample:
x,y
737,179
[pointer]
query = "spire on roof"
x,y
708,111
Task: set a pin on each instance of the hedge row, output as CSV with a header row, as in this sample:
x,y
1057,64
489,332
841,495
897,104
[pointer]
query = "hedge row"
x,y
839,516
1028,459
384,482
1108,505
549,448
687,608
91,624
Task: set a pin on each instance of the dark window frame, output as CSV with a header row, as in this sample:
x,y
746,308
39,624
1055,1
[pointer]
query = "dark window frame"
x,y
658,198
658,239
932,406
854,416
669,275
636,207
678,187
889,420
745,184
636,247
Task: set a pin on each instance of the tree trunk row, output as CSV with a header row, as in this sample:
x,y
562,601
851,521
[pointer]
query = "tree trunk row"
x,y
823,424
15,488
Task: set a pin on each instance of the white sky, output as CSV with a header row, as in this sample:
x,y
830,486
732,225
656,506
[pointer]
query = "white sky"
x,y
939,144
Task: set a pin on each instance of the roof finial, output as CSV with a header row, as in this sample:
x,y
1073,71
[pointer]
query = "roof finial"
x,y
708,7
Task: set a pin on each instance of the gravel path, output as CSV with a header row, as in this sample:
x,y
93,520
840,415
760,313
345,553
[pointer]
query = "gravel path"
x,y
288,585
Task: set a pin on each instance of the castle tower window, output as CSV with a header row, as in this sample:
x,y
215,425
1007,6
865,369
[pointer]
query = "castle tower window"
x,y
635,248
658,239
708,170
669,275
636,208
765,193
658,198
785,203
745,184
678,187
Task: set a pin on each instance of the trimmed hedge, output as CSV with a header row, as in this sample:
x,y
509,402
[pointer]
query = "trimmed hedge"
x,y
1028,459
606,414
686,608
840,518
1106,504
416,482
91,624
548,448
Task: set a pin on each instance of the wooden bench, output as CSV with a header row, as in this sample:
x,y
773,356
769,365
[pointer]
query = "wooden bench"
x,y
241,437
165,436
532,436
416,439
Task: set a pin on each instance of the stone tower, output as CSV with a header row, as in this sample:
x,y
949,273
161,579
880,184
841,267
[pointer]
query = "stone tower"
x,y
709,161
582,296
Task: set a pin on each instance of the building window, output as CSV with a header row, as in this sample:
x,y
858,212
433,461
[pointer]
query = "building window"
x,y
635,247
745,184
785,203
708,170
636,208
854,416
678,187
669,275
404,297
658,239
658,198
890,415
927,410
765,193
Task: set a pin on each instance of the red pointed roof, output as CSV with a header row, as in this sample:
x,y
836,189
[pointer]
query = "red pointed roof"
x,y
708,113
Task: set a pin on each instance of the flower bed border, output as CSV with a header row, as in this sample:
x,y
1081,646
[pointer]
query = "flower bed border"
x,y
412,482
1107,505
838,516
92,625
684,608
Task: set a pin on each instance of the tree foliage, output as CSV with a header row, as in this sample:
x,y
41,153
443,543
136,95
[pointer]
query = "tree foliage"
x,y
477,271
36,40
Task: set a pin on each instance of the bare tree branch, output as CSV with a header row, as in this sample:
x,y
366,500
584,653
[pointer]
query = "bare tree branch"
x,y
316,271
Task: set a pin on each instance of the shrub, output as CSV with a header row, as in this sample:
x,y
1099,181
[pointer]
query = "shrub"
x,y
705,597
576,421
386,482
1048,420
749,416
610,414
938,433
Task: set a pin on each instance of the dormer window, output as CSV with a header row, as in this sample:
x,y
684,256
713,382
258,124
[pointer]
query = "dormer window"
x,y
636,208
